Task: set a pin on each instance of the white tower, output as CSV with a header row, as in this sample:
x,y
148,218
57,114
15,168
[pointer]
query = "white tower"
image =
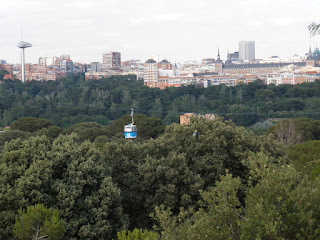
x,y
23,45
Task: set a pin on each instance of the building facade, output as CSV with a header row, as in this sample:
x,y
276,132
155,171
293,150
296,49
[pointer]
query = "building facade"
x,y
111,61
292,78
150,75
66,66
246,50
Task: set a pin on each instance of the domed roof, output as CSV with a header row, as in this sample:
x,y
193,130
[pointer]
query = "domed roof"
x,y
151,61
164,61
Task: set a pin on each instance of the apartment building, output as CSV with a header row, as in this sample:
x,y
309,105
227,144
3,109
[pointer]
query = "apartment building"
x,y
111,61
292,78
151,73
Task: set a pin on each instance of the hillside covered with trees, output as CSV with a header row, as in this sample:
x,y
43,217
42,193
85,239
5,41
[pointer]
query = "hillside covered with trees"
x,y
70,101
74,166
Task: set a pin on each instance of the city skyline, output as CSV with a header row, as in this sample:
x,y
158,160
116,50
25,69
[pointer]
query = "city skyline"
x,y
178,30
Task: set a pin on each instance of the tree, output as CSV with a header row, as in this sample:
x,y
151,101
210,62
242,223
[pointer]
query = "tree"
x,y
87,131
30,124
137,234
172,168
287,133
147,127
305,157
63,174
314,28
279,203
38,222
296,130
51,132
2,73
9,135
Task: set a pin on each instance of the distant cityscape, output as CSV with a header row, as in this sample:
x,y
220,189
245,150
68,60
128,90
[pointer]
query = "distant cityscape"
x,y
237,67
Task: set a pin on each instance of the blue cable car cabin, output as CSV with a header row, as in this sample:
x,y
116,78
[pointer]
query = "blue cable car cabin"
x,y
130,131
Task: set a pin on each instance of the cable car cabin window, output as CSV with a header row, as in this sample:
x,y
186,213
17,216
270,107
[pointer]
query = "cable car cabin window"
x,y
130,128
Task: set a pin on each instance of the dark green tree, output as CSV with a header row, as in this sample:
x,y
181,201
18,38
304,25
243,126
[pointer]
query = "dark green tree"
x,y
30,124
9,135
172,168
63,174
305,157
279,203
2,73
148,127
87,131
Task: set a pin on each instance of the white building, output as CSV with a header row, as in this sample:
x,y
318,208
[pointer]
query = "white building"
x,y
292,78
247,50
48,61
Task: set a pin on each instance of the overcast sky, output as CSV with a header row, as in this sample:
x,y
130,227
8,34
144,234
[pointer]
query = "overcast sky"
x,y
177,30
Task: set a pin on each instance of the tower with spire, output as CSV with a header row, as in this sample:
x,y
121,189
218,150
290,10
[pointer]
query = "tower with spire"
x,y
218,64
310,61
218,56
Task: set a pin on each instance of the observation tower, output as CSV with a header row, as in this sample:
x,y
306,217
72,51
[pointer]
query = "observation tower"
x,y
23,45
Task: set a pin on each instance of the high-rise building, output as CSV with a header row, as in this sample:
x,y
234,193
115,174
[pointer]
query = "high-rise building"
x,y
247,50
66,66
151,73
111,61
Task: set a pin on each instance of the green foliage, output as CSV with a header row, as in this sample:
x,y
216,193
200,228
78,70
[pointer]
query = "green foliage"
x,y
296,130
218,219
87,131
305,157
67,121
9,135
172,117
172,168
314,28
30,124
279,203
147,127
38,221
63,174
2,73
69,101
260,128
137,234
51,132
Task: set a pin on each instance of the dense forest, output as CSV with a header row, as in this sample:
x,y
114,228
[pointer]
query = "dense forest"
x,y
69,101
67,172
223,183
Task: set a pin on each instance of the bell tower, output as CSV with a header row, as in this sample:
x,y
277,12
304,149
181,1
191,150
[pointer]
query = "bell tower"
x,y
218,64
